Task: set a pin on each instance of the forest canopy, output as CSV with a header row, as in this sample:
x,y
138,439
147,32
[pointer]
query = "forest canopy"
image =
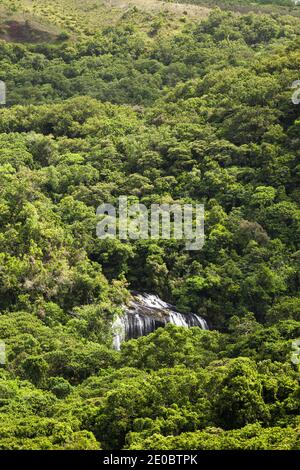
x,y
162,109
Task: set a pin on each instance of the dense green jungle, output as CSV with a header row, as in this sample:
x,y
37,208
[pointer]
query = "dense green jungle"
x,y
166,103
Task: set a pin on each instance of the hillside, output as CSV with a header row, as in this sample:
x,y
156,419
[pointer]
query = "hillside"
x,y
84,17
34,21
164,104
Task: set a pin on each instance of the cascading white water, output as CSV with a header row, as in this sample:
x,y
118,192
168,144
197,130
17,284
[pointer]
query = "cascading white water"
x,y
147,312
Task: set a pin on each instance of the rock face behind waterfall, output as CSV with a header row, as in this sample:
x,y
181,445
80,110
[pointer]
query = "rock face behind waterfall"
x,y
147,312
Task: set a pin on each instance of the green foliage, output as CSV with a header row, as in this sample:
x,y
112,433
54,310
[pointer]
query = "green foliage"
x,y
251,437
163,111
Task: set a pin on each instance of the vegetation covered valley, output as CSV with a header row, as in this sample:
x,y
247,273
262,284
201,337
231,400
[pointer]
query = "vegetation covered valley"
x,y
161,107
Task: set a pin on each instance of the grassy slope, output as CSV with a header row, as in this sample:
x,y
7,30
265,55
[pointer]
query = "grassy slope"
x,y
245,6
84,17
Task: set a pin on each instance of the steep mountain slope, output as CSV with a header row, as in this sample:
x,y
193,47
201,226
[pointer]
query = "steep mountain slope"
x,y
163,108
81,18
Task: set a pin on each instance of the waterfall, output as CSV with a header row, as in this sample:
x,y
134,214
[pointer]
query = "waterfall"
x,y
147,312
